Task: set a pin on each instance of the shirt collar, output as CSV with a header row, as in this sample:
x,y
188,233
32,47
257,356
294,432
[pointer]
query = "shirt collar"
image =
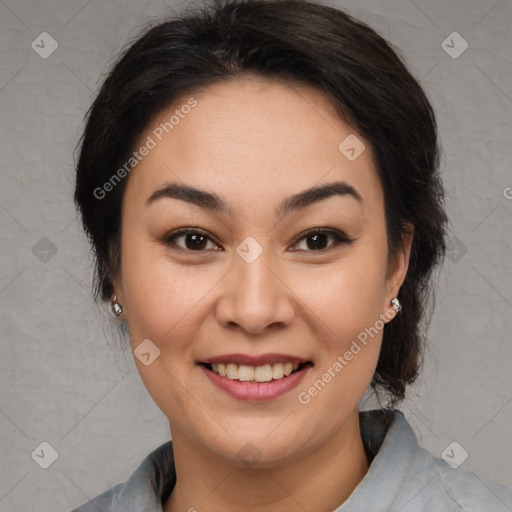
x,y
396,449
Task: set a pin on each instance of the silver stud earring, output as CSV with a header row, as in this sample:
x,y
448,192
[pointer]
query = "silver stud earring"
x,y
117,309
396,304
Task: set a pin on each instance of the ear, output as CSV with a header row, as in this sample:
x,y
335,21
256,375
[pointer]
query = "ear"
x,y
398,265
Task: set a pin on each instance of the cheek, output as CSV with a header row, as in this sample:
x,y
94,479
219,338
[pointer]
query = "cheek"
x,y
347,320
163,301
165,309
347,296
348,325
159,295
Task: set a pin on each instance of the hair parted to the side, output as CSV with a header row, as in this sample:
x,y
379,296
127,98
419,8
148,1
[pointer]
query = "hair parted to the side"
x,y
298,41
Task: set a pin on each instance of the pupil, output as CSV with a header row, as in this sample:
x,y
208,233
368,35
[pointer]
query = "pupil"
x,y
315,245
198,241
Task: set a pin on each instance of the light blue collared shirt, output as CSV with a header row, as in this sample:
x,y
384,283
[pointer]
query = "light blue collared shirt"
x,y
403,477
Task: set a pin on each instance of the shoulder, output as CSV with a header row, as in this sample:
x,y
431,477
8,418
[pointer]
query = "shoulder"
x,y
470,491
102,503
404,477
433,485
152,481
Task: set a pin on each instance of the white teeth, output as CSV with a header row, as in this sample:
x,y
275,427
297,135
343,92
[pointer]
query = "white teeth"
x,y
277,371
245,373
232,371
263,373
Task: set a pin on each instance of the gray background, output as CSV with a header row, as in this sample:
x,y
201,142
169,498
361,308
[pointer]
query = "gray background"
x,y
65,378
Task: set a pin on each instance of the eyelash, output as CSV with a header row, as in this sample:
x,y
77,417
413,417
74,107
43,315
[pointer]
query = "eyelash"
x,y
339,238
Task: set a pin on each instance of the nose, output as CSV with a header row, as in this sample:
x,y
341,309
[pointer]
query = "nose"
x,y
256,297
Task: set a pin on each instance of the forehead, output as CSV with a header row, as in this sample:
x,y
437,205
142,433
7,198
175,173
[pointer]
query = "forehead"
x,y
253,138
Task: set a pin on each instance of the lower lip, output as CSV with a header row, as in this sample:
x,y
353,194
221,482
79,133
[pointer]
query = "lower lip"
x,y
256,391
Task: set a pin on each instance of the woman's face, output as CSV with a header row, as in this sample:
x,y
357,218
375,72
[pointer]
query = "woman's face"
x,y
253,289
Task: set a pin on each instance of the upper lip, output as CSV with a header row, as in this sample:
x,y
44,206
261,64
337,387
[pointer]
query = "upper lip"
x,y
271,358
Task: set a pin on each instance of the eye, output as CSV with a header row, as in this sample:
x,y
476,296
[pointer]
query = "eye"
x,y
316,239
194,239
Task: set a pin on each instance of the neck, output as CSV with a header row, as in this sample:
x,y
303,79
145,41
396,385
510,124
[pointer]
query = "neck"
x,y
321,480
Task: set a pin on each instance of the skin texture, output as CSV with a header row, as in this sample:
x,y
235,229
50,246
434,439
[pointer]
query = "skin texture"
x,y
254,142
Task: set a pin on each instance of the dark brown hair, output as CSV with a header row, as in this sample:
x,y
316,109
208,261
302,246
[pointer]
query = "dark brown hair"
x,y
298,41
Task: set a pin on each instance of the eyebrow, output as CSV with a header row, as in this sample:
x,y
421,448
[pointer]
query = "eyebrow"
x,y
213,202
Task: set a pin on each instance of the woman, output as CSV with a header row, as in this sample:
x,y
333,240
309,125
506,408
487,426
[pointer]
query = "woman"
x,y
222,148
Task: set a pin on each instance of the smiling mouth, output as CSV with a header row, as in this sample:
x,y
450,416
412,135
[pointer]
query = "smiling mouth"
x,y
263,373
